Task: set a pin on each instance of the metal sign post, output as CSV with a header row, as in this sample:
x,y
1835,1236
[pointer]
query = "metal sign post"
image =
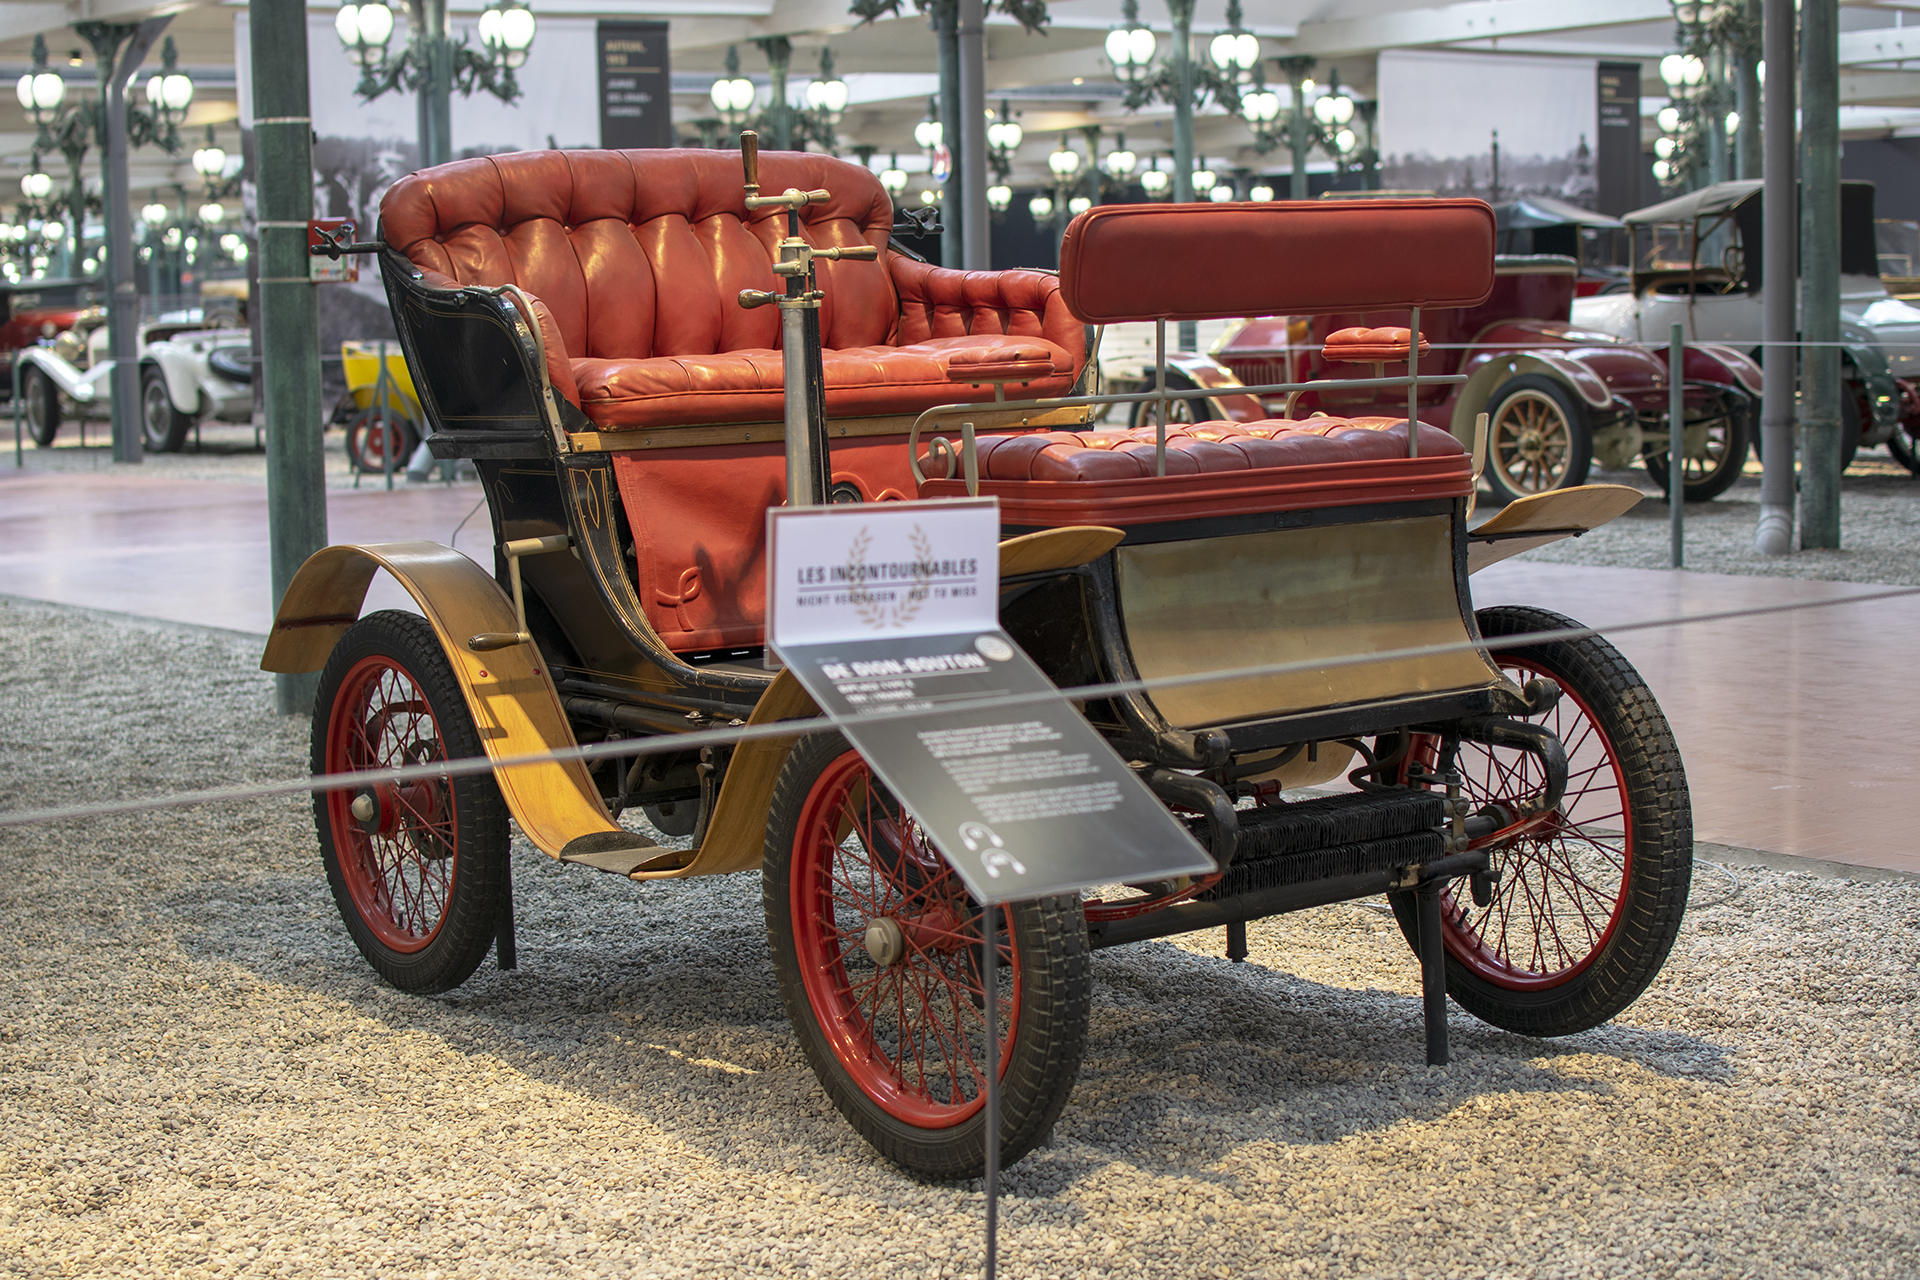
x,y
894,607
1677,440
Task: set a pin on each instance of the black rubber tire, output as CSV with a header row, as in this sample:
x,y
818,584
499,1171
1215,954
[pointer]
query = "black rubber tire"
x,y
1853,417
1196,409
1055,976
363,436
1562,463
41,403
1904,445
163,427
476,898
1646,916
1736,427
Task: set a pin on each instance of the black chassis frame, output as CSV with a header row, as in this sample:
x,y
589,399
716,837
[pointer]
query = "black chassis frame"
x,y
487,398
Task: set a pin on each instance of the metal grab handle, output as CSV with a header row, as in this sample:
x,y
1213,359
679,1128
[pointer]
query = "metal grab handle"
x,y
750,161
855,253
334,243
751,298
487,641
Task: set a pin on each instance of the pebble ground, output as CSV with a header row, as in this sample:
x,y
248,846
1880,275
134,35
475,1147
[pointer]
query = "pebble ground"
x,y
200,1077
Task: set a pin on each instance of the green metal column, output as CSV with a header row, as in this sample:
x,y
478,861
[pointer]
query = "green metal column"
x,y
1820,388
1746,98
1180,60
1299,137
436,89
1779,235
945,16
289,315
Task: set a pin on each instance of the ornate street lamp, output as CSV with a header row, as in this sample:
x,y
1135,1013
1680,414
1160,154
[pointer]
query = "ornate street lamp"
x,y
999,197
927,134
1041,207
1121,162
893,178
827,94
42,89
1079,205
36,186
1203,179
506,32
1064,161
1259,193
433,65
1005,135
1155,180
1235,51
732,94
154,215
1130,48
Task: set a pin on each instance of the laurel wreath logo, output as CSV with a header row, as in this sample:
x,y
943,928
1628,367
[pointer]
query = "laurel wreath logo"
x,y
879,614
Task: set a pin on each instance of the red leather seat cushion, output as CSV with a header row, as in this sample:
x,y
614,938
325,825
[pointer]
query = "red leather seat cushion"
x,y
1053,478
1370,346
747,385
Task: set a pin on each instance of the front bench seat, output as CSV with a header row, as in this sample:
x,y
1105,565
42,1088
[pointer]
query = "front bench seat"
x,y
636,260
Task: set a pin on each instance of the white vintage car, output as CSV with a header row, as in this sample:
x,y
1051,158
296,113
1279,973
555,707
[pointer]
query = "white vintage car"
x,y
1697,262
188,372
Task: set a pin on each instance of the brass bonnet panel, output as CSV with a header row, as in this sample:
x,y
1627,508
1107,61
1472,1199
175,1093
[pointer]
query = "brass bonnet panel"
x,y
1297,595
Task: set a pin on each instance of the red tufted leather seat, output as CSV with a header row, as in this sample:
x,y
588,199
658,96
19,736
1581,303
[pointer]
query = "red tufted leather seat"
x,y
636,259
1054,478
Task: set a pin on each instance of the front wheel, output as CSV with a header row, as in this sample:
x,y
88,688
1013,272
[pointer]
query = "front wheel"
x,y
1537,438
1716,443
1589,896
877,948
418,868
42,404
1904,445
1179,412
164,427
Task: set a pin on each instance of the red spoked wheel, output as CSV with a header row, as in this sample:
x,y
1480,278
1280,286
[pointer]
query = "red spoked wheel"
x,y
877,946
374,438
1588,896
417,866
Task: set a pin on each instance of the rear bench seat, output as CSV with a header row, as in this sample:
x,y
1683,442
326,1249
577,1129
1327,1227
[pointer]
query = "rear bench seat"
x,y
636,260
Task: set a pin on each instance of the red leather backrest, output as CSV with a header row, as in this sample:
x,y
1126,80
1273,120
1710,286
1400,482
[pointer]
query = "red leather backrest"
x,y
1206,261
643,253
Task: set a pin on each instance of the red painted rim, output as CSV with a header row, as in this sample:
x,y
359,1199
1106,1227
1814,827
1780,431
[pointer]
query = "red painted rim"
x,y
1563,885
371,439
400,875
911,1034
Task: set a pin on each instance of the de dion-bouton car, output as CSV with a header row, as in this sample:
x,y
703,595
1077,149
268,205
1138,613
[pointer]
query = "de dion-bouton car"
x,y
643,355
1698,263
1559,395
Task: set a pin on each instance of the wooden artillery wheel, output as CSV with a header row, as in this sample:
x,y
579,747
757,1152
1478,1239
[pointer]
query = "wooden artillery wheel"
x,y
418,868
877,948
1590,895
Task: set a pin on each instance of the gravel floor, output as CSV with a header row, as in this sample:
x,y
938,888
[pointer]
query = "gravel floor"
x,y
198,1075
1879,530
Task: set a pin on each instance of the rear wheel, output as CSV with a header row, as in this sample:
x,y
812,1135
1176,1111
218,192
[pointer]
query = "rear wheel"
x,y
1716,442
1537,438
418,868
164,428
1194,409
374,438
877,947
1590,895
42,405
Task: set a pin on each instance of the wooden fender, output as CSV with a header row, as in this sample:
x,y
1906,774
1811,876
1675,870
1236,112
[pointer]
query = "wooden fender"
x,y
511,695
1541,518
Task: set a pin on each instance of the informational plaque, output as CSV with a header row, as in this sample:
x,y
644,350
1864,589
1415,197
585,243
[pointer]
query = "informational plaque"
x,y
636,101
888,614
1618,164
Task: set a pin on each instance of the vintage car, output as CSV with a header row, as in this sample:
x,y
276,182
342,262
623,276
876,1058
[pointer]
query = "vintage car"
x,y
189,372
34,310
667,354
1698,264
1533,225
1559,395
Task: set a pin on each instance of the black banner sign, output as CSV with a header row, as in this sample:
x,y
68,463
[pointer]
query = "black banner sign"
x,y
636,101
1618,163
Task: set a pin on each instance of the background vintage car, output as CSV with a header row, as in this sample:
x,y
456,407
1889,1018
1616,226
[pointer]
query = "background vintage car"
x,y
188,371
1559,396
39,310
1698,264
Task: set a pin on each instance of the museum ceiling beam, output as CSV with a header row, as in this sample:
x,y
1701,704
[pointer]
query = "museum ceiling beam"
x,y
1879,44
788,18
1479,20
19,20
1880,88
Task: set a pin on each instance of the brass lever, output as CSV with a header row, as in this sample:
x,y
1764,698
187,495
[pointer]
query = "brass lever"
x,y
853,253
751,298
487,641
750,161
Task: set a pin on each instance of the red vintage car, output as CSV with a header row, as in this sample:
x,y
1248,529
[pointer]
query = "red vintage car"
x,y
35,310
1558,397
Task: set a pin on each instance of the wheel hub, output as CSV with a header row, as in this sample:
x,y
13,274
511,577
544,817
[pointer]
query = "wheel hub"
x,y
885,941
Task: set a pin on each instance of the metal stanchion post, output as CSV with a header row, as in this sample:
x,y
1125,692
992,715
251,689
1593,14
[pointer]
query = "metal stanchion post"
x,y
19,458
1677,439
989,974
388,435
